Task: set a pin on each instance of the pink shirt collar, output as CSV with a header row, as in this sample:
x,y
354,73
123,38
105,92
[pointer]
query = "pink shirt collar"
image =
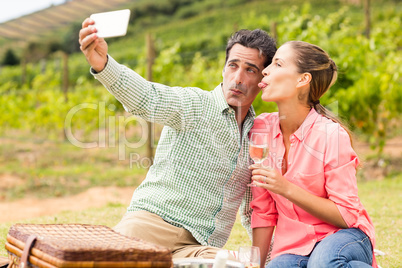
x,y
302,131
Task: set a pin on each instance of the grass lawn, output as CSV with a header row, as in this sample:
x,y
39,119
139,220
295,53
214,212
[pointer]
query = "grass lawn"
x,y
43,169
381,198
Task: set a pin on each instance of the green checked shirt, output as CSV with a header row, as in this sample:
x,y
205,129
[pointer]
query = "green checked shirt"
x,y
200,173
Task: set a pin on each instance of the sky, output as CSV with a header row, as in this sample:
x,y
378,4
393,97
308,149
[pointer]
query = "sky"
x,y
11,9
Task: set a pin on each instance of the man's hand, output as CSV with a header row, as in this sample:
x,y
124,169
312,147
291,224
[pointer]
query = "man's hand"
x,y
93,47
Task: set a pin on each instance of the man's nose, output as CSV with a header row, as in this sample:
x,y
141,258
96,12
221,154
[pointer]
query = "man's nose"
x,y
238,77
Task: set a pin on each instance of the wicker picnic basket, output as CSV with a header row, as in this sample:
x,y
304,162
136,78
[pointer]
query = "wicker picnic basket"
x,y
80,245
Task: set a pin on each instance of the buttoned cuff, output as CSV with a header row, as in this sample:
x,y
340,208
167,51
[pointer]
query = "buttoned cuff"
x,y
110,74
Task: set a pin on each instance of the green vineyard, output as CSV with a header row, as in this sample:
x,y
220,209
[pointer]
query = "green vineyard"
x,y
190,36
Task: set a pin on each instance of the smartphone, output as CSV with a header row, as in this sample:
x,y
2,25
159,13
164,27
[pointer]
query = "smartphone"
x,y
111,24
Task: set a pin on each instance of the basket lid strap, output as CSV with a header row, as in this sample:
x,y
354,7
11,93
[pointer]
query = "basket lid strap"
x,y
25,254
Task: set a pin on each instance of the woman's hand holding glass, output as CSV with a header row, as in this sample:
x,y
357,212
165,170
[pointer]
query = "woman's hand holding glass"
x,y
270,179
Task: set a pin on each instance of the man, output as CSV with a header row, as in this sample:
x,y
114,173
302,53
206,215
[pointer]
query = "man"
x,y
190,197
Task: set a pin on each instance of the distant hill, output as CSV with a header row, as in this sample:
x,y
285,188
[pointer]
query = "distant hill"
x,y
42,24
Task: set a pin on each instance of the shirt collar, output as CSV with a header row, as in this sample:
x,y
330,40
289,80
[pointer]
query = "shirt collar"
x,y
302,131
220,99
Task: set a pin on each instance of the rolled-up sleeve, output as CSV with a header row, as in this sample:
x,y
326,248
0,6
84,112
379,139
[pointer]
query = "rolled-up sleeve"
x,y
340,172
177,107
264,210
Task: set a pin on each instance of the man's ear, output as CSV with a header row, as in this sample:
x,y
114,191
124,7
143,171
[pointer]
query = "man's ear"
x,y
223,71
304,79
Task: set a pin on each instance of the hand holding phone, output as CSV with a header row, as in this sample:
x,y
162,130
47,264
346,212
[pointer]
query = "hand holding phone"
x,y
111,24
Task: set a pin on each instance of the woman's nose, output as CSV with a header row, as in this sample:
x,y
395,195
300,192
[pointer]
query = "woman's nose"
x,y
265,72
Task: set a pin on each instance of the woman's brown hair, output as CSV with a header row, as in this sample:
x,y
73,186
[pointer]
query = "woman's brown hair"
x,y
312,59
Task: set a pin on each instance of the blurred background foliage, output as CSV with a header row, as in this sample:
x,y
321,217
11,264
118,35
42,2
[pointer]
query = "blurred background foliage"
x,y
42,82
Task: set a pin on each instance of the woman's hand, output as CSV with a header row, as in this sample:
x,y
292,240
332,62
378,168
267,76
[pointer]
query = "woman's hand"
x,y
322,208
270,179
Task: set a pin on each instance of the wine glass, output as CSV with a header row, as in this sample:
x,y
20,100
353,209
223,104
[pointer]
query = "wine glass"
x,y
258,148
249,256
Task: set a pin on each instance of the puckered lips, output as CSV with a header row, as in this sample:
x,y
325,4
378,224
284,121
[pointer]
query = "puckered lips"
x,y
236,91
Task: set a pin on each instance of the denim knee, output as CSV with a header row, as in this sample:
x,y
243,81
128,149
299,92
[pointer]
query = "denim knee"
x,y
346,248
288,260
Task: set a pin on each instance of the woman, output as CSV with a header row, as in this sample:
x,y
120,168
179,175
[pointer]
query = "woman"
x,y
307,188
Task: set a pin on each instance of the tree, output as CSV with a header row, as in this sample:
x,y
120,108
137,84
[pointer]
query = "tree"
x,y
10,58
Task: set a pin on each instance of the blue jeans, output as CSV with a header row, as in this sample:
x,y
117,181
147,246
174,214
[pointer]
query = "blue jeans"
x,y
345,248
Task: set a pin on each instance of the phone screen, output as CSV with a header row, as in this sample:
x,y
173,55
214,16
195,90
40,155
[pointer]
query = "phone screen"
x,y
111,24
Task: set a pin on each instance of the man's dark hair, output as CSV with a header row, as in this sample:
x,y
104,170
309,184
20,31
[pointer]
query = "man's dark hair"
x,y
257,39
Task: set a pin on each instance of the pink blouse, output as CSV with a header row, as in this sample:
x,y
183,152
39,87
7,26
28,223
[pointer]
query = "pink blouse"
x,y
320,160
